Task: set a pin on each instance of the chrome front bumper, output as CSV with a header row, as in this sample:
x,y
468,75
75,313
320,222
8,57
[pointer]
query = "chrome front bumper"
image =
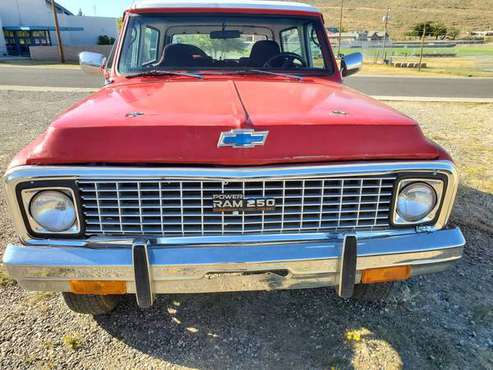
x,y
234,267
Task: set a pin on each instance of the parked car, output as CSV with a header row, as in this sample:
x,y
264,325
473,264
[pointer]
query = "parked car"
x,y
224,153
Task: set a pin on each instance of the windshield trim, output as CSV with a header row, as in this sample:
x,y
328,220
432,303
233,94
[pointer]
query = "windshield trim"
x,y
330,66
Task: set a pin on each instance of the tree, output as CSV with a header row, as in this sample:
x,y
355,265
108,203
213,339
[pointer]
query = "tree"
x,y
417,30
119,23
105,40
453,33
231,46
79,13
439,30
433,29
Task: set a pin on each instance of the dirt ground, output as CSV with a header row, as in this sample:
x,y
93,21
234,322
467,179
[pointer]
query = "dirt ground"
x,y
436,321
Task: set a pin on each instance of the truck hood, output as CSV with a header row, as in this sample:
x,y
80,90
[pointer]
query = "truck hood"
x,y
179,120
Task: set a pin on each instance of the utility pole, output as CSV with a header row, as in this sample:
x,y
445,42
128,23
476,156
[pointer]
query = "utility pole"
x,y
422,45
340,28
386,20
57,30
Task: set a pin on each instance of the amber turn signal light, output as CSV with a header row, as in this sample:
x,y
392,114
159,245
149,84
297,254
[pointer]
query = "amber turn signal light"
x,y
99,287
382,275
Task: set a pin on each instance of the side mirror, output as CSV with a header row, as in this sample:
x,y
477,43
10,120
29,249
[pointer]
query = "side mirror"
x,y
351,63
92,63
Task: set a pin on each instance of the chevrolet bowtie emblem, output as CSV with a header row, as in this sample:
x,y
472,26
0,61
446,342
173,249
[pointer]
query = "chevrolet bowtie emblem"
x,y
242,138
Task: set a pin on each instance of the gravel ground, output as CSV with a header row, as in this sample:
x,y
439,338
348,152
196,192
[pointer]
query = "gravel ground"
x,y
436,321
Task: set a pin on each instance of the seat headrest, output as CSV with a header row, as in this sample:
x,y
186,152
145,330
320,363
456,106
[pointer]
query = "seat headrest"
x,y
262,51
181,55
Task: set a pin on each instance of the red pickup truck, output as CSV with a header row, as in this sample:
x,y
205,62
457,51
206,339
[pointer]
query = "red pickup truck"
x,y
224,153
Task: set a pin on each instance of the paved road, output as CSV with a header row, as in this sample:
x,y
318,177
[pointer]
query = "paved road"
x,y
371,85
53,77
426,87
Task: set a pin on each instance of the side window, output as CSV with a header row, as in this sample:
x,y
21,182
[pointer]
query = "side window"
x,y
150,44
316,56
132,45
291,41
111,57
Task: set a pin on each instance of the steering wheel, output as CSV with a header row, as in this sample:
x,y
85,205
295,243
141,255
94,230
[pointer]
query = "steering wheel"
x,y
284,60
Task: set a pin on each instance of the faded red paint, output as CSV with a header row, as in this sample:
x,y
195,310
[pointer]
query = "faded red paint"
x,y
183,118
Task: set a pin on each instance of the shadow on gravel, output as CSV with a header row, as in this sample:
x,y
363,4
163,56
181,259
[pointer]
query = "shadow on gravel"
x,y
426,325
302,328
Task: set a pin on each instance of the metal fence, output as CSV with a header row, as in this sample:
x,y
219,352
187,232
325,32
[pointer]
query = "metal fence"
x,y
474,56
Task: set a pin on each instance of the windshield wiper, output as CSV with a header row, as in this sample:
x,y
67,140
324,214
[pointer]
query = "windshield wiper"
x,y
159,72
287,75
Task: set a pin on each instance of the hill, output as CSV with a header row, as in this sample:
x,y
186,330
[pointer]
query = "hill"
x,y
359,15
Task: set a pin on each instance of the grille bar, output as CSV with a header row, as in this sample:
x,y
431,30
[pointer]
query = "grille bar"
x,y
183,207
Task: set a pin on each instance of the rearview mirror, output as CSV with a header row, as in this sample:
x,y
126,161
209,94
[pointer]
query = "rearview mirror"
x,y
222,35
351,63
92,63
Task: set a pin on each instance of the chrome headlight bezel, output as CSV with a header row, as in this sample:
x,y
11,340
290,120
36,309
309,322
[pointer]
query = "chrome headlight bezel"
x,y
436,182
25,194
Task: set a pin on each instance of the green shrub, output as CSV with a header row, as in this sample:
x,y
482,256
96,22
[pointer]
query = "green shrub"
x,y
105,40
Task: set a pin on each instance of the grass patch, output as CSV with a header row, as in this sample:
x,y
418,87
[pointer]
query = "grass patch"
x,y
72,341
37,297
460,51
480,50
4,278
465,131
436,67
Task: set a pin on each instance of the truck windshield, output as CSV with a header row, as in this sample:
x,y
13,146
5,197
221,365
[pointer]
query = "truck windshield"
x,y
171,42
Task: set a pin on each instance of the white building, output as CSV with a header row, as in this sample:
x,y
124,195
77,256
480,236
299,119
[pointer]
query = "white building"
x,y
3,47
482,33
25,23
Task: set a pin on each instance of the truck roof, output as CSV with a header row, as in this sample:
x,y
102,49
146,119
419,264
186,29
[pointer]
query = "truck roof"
x,y
224,4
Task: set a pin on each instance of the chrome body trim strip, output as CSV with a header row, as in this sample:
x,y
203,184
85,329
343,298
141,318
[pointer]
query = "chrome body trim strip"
x,y
230,268
24,173
17,175
125,241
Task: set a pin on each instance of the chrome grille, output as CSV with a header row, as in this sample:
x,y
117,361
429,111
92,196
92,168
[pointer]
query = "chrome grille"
x,y
183,207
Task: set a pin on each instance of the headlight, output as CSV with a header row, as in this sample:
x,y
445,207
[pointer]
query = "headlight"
x,y
53,210
416,201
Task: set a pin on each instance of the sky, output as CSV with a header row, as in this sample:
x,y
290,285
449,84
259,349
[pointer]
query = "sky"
x,y
100,8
